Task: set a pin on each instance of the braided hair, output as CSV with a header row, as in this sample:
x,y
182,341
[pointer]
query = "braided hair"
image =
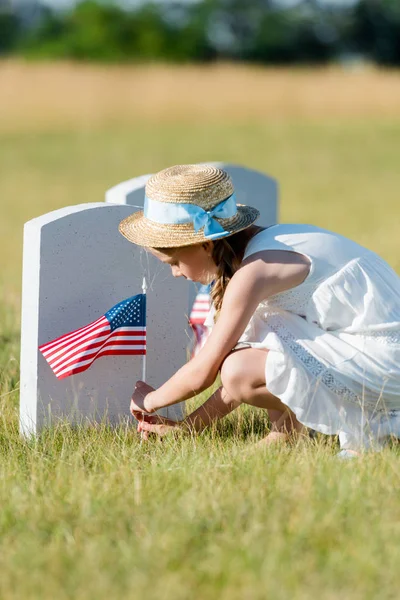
x,y
227,254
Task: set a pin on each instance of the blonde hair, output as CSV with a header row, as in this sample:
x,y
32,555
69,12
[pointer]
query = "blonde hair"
x,y
227,255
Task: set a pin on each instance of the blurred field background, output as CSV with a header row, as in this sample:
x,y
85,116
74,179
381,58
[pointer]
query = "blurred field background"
x,y
93,514
329,136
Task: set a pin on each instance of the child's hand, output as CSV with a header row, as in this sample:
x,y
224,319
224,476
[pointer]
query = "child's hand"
x,y
140,392
157,424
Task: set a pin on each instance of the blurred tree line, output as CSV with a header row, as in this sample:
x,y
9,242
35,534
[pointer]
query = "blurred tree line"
x,y
260,31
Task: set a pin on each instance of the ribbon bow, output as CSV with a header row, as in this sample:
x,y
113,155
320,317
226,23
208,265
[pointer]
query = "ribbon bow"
x,y
205,218
167,213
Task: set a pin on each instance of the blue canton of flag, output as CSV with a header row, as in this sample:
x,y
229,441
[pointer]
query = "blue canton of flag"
x,y
128,313
121,331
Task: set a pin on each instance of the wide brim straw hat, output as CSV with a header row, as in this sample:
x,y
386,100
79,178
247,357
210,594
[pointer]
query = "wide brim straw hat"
x,y
185,205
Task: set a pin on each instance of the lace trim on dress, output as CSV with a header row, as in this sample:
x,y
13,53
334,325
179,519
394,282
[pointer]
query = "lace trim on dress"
x,y
294,300
320,371
381,338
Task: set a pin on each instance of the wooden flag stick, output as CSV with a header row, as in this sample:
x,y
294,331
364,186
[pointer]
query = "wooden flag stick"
x,y
143,434
144,289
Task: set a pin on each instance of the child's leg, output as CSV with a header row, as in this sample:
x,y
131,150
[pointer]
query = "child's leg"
x,y
218,405
243,378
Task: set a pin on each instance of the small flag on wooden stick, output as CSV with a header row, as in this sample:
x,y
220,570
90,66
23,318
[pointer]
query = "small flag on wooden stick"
x,y
144,290
121,331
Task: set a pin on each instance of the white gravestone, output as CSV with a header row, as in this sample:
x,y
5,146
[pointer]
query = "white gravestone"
x,y
251,187
76,267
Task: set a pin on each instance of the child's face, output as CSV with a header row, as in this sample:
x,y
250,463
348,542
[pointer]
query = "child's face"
x,y
191,262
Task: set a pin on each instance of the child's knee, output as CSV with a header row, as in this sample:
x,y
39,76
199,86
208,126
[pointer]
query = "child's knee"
x,y
233,377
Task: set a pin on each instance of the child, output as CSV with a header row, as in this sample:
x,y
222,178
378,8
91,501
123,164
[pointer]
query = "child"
x,y
306,322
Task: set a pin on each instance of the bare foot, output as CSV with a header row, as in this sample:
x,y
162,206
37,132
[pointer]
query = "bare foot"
x,y
275,438
345,454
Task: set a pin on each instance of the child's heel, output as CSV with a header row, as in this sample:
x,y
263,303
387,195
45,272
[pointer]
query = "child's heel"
x,y
347,454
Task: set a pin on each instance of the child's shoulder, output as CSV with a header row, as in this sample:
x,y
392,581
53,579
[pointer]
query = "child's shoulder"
x,y
281,236
290,229
325,249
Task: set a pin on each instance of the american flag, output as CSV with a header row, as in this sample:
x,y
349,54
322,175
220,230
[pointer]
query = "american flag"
x,y
201,306
122,330
198,314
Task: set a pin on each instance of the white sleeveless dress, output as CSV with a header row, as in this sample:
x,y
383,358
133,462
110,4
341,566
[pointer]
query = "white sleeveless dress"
x,y
334,340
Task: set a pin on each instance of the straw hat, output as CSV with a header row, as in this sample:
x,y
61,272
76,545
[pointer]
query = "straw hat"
x,y
187,204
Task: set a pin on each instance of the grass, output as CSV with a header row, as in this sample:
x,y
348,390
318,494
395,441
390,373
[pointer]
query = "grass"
x,y
91,513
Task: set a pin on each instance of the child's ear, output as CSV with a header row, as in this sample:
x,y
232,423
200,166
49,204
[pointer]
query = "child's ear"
x,y
208,247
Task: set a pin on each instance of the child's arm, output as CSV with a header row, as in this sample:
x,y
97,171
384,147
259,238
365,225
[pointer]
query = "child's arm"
x,y
216,407
260,276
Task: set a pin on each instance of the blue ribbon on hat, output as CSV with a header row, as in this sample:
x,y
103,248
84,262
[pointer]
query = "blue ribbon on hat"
x,y
170,213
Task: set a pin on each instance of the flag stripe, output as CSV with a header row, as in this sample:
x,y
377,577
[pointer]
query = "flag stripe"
x,y
92,348
93,352
87,360
81,350
198,315
62,343
83,366
200,309
111,350
101,332
61,348
71,335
